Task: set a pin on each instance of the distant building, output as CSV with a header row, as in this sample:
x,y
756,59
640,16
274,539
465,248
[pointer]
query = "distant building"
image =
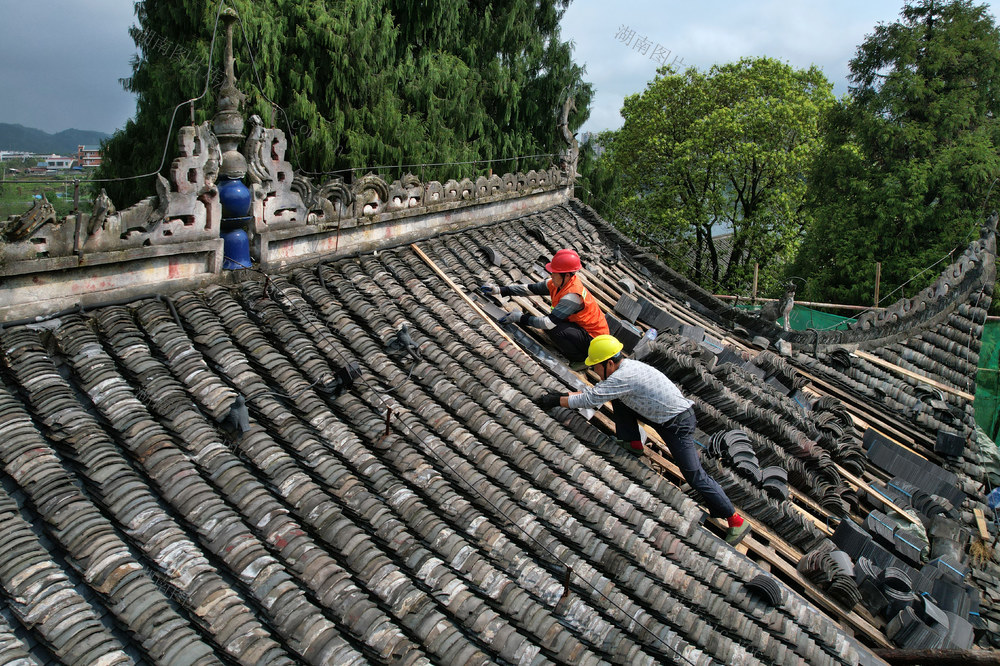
x,y
591,138
6,155
58,163
88,156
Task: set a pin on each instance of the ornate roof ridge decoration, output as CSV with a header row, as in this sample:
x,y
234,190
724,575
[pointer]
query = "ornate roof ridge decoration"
x,y
969,279
173,240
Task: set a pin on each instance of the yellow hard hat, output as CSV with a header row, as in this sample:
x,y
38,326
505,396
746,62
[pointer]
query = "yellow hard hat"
x,y
602,348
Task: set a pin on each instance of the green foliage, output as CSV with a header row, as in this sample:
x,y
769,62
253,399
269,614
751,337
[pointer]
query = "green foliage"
x,y
909,159
597,183
727,149
363,82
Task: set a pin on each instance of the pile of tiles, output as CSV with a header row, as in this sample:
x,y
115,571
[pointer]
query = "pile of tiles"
x,y
734,449
930,605
832,571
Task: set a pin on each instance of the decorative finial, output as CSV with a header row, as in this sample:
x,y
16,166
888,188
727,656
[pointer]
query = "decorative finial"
x,y
228,121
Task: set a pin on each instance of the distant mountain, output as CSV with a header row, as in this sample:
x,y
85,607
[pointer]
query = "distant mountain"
x,y
29,139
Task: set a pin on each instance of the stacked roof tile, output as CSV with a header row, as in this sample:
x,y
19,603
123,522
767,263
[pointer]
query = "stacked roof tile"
x,y
908,370
430,513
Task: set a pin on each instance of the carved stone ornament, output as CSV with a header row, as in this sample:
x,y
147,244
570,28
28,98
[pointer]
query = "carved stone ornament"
x,y
21,227
370,195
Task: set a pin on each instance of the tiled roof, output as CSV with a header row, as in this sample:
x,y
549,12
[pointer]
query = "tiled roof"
x,y
905,375
430,514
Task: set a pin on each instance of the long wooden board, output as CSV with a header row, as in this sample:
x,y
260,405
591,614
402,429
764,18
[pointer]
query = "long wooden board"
x,y
913,375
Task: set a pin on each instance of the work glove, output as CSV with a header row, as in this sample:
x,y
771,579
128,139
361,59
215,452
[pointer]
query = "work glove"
x,y
548,400
488,289
512,317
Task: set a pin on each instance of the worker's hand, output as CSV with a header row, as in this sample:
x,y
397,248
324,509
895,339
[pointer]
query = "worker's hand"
x,y
548,400
489,289
512,317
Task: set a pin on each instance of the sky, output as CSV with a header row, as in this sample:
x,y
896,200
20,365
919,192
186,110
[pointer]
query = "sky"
x,y
825,33
61,60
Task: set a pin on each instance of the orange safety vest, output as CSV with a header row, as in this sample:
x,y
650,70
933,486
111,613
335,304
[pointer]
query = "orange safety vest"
x,y
590,318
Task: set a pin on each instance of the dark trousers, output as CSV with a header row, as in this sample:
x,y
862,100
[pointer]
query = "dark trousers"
x,y
571,340
678,435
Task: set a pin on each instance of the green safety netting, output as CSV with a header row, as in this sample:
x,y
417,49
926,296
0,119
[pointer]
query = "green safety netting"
x,y
803,318
987,382
987,403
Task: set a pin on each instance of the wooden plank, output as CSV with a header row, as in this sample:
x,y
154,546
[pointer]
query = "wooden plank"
x,y
808,304
984,533
940,657
461,293
913,375
817,596
861,485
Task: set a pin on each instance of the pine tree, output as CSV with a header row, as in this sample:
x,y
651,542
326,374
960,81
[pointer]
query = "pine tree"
x,y
910,158
359,83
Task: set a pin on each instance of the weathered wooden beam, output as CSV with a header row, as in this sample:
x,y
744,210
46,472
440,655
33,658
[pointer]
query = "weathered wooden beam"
x,y
461,293
984,533
861,485
808,304
871,358
940,657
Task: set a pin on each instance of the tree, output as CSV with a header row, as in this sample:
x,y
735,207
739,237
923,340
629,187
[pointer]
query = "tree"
x,y
598,183
910,158
360,83
727,149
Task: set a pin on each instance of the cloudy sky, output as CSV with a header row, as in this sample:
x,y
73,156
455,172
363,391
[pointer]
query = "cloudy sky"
x,y
60,60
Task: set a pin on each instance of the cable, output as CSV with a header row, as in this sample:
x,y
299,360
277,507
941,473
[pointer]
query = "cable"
x,y
324,331
635,229
428,164
173,116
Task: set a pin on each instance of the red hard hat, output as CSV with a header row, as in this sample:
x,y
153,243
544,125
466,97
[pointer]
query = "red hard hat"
x,y
564,261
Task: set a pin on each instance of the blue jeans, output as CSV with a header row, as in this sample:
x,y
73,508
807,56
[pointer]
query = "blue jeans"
x,y
678,434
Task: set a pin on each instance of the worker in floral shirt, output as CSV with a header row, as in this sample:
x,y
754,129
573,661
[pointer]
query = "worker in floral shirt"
x,y
640,392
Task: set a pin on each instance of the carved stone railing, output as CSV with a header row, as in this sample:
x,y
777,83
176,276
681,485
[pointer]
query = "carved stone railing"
x,y
172,240
175,240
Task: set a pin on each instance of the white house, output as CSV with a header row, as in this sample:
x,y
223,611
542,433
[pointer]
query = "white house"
x,y
59,162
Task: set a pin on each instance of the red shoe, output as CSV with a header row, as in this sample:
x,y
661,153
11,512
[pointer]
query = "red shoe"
x,y
634,446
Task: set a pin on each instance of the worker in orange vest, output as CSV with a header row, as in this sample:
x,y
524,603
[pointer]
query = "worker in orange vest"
x,y
575,318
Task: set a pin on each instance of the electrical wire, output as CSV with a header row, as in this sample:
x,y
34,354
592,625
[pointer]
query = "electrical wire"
x,y
635,228
173,116
428,164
